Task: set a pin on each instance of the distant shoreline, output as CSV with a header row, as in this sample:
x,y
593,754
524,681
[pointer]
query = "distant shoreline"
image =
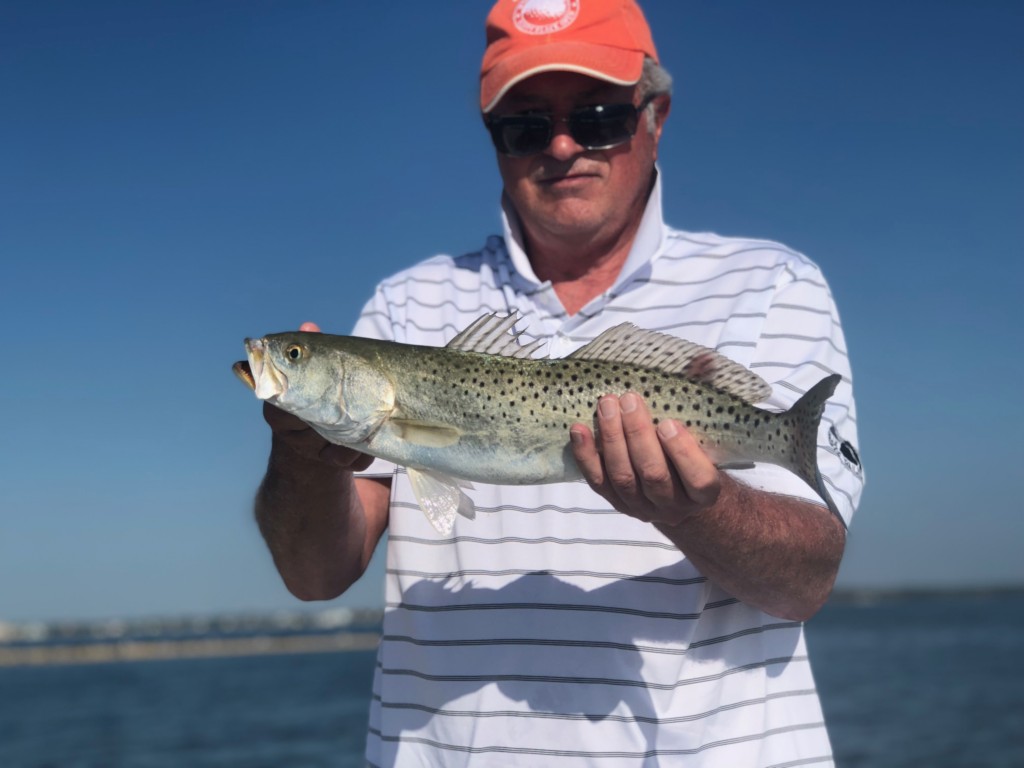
x,y
879,594
331,630
192,648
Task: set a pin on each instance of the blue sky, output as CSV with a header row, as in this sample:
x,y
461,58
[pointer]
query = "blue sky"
x,y
175,176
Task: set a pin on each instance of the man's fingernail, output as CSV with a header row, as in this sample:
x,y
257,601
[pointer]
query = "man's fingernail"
x,y
668,429
575,436
607,407
629,402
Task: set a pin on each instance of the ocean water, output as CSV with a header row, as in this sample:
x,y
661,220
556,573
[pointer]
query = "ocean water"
x,y
921,681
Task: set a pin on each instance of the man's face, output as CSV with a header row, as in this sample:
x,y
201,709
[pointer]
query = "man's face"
x,y
566,191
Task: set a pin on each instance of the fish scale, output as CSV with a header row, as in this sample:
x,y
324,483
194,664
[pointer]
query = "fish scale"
x,y
554,394
481,410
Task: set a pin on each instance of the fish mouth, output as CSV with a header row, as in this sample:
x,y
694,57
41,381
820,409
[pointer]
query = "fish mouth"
x,y
259,372
244,372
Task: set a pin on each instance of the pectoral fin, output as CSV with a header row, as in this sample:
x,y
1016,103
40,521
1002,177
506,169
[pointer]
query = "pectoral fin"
x,y
426,434
441,499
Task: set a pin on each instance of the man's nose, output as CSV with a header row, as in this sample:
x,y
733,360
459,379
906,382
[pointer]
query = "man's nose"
x,y
562,145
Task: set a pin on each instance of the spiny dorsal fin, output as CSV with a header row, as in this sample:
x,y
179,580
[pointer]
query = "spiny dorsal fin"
x,y
490,335
626,343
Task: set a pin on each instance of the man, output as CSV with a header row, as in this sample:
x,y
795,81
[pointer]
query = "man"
x,y
653,618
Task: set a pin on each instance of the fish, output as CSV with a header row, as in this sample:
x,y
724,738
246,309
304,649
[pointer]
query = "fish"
x,y
486,409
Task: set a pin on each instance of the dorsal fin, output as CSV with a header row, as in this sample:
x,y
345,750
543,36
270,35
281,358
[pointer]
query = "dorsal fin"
x,y
490,335
626,343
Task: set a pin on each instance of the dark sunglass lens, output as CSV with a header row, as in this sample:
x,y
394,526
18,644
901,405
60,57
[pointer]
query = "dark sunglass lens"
x,y
519,136
601,127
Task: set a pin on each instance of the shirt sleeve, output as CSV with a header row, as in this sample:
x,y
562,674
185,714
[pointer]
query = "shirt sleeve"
x,y
801,342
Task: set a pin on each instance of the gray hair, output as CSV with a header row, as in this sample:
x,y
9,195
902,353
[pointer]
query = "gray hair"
x,y
654,81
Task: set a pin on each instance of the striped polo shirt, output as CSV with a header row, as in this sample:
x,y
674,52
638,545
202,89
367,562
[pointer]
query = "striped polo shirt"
x,y
553,630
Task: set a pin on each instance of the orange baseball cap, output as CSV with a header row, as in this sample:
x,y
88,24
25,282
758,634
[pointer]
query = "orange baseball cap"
x,y
605,39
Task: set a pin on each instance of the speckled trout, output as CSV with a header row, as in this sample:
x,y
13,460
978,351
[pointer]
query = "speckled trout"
x,y
484,409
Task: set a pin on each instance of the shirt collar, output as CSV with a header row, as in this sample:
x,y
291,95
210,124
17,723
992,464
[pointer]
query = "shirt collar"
x,y
646,245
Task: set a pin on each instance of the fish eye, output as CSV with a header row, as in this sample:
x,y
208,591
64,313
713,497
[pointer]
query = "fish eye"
x,y
294,352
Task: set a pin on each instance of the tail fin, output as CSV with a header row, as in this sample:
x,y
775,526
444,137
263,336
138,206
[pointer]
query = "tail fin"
x,y
806,415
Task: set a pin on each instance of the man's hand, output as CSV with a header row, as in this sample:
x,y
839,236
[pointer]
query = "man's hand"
x,y
320,523
303,440
776,553
655,474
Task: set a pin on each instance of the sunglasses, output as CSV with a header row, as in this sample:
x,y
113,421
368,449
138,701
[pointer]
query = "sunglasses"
x,y
601,126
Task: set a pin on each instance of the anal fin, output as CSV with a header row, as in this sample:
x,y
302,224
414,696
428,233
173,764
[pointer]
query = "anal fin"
x,y
735,465
441,498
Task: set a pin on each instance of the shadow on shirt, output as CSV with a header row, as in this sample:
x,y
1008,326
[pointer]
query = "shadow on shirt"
x,y
626,652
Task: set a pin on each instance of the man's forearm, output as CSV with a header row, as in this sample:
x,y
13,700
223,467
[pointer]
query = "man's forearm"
x,y
313,522
776,553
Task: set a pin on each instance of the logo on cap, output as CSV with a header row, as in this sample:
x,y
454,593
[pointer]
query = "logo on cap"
x,y
542,17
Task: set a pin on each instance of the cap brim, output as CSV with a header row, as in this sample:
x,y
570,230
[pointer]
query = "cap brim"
x,y
612,65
